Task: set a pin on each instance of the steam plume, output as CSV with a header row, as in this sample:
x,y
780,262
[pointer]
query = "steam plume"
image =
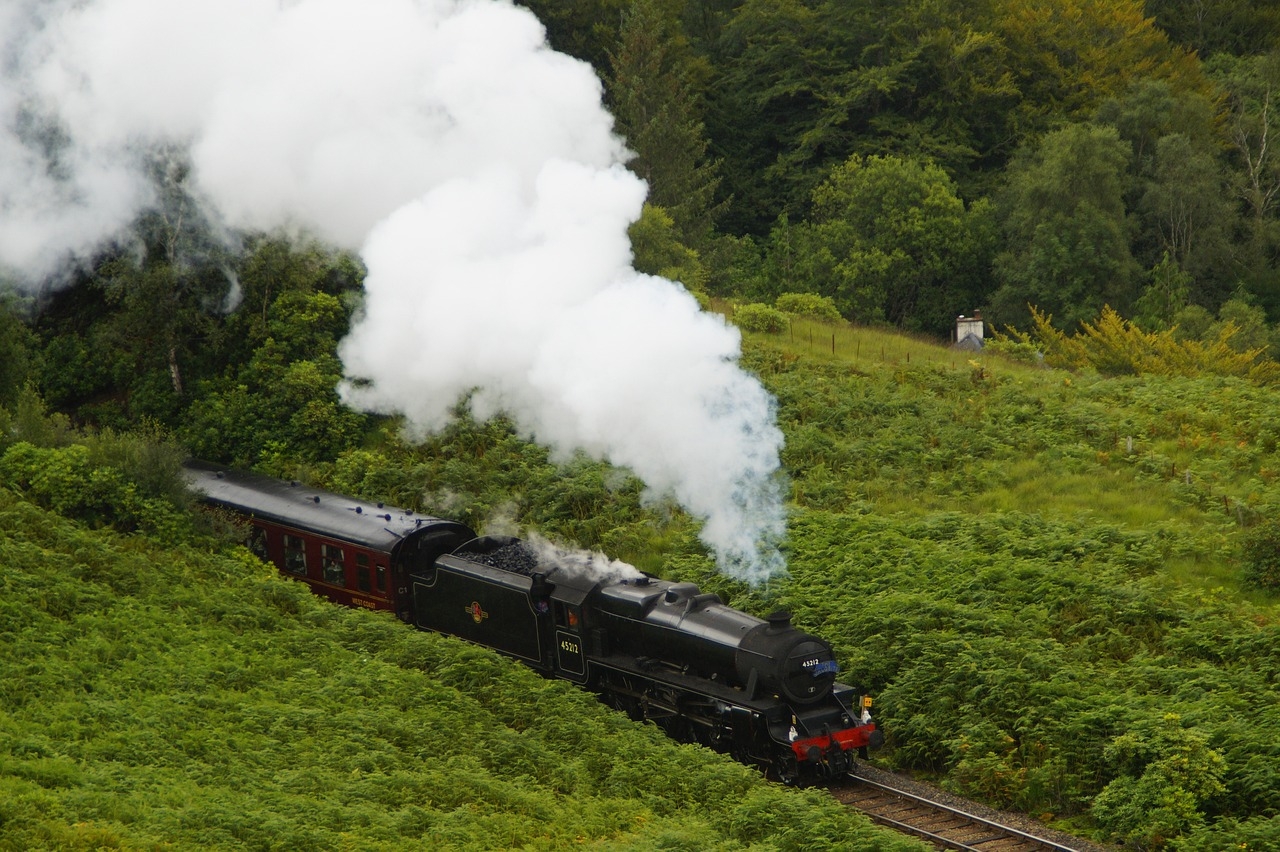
x,y
588,563
474,168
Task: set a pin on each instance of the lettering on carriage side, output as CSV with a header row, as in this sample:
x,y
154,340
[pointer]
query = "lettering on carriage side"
x,y
476,611
364,603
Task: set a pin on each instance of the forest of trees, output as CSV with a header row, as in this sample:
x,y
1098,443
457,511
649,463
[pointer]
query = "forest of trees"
x,y
1068,154
911,162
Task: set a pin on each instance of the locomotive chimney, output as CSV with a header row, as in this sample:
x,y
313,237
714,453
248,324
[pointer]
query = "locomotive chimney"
x,y
780,620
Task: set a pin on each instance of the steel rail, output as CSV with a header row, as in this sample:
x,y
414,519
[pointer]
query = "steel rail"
x,y
1002,831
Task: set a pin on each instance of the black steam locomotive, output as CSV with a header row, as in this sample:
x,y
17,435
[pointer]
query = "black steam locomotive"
x,y
760,690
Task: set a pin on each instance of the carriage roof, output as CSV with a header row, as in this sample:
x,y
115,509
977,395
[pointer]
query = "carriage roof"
x,y
326,513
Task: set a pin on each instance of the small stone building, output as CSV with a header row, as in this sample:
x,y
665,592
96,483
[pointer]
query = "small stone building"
x,y
969,332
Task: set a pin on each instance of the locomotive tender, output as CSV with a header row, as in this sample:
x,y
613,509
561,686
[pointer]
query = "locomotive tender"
x,y
758,689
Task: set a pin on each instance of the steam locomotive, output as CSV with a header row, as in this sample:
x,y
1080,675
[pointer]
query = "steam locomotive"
x,y
758,689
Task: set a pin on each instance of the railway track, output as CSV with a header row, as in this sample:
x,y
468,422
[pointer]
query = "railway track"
x,y
943,825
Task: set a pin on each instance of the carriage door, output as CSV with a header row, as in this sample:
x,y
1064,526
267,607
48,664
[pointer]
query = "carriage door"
x,y
570,657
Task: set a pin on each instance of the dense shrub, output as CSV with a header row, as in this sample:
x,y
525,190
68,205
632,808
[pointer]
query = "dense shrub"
x,y
809,305
1166,773
1017,350
1261,555
69,481
760,318
1230,835
1114,346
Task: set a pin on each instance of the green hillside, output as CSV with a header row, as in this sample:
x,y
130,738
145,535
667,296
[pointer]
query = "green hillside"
x,y
1043,575
156,697
1055,563
1058,586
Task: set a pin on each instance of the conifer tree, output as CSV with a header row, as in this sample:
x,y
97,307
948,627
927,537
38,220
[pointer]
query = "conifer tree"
x,y
654,97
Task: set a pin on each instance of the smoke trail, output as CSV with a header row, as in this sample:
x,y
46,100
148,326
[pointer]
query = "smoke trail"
x,y
475,170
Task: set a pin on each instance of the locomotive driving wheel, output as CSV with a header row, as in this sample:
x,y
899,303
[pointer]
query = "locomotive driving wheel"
x,y
621,695
787,768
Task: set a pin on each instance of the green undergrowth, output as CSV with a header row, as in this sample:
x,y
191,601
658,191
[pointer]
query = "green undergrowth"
x,y
996,436
1010,654
188,698
1040,575
1059,586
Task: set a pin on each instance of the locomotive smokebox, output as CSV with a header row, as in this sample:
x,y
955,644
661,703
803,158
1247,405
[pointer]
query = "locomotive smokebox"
x,y
795,665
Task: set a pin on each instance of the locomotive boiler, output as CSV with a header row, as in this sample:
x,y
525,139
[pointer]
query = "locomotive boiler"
x,y
758,689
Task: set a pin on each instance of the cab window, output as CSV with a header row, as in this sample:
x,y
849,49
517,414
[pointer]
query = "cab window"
x,y
566,616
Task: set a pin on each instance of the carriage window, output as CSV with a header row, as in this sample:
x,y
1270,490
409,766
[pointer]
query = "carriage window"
x,y
382,578
295,555
362,571
258,543
331,563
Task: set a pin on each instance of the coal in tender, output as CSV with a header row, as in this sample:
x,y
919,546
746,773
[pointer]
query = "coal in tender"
x,y
515,558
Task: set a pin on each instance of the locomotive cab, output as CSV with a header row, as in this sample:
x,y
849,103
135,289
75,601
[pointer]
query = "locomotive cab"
x,y
491,591
568,618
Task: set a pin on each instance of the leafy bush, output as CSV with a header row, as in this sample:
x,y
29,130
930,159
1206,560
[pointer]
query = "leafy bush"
x,y
69,482
760,318
1167,773
1230,835
1261,555
1018,350
809,305
1115,346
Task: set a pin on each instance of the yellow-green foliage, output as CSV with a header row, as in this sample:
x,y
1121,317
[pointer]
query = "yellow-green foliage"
x,y
189,698
1114,346
759,317
809,305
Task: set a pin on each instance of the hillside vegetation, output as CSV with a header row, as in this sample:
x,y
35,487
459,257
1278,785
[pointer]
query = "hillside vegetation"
x,y
1040,574
161,697
1054,562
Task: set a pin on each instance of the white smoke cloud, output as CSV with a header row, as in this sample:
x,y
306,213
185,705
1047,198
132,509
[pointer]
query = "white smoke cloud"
x,y
475,170
584,563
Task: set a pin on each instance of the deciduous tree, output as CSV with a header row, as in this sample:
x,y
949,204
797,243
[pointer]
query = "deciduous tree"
x,y
890,239
658,250
1070,55
16,347
1187,213
1065,227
